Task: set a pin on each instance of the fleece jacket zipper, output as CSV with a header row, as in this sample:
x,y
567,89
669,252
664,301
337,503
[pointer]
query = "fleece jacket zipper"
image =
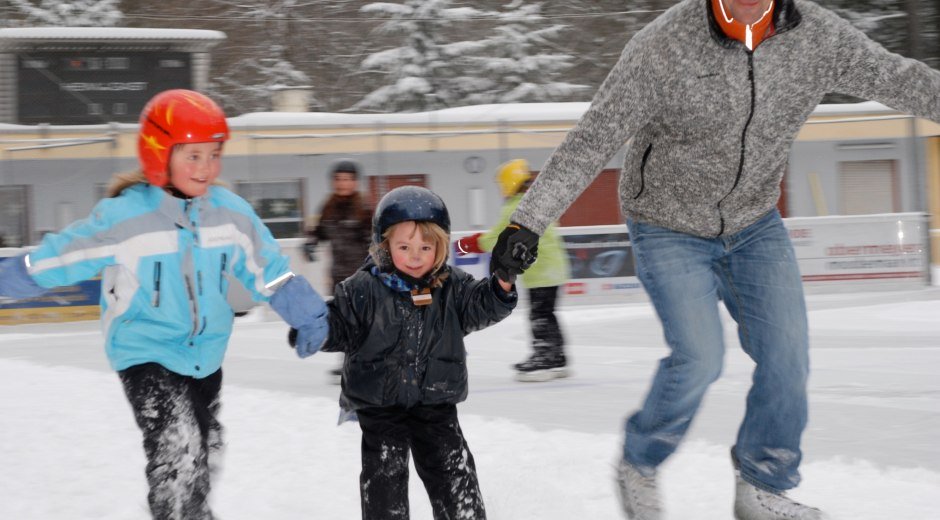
x,y
750,116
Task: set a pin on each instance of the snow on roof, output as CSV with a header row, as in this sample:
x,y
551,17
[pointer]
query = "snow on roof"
x,y
33,34
481,114
475,114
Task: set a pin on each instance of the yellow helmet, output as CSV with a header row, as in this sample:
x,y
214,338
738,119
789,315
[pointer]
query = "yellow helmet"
x,y
512,175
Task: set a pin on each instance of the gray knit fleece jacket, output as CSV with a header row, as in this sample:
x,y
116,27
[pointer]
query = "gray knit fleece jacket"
x,y
710,123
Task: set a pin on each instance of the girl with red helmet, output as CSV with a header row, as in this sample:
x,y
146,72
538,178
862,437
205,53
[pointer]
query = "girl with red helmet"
x,y
166,242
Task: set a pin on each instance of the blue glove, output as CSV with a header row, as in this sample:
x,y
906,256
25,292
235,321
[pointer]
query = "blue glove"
x,y
15,281
303,309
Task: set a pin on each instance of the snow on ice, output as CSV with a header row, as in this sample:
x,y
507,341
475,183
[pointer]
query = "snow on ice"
x,y
69,448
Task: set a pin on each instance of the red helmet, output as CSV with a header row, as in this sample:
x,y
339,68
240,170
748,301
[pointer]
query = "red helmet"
x,y
176,117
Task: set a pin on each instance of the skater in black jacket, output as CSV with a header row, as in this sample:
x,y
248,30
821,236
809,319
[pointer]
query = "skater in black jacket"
x,y
401,320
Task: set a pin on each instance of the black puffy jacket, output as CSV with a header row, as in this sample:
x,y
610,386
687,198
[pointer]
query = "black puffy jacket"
x,y
401,354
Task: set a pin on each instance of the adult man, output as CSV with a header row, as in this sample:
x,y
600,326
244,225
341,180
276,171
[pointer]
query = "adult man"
x,y
711,95
346,223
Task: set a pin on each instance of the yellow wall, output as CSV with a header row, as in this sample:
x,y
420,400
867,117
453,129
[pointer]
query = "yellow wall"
x,y
933,198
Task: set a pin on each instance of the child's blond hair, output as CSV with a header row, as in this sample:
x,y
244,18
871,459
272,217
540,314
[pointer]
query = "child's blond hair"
x,y
432,233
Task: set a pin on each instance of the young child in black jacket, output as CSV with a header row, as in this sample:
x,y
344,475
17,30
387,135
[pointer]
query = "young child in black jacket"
x,y
401,320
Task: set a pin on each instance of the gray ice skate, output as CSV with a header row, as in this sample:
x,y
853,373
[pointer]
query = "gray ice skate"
x,y
753,503
638,494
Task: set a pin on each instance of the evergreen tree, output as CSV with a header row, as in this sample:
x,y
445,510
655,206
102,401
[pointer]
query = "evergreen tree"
x,y
424,73
267,54
519,66
78,13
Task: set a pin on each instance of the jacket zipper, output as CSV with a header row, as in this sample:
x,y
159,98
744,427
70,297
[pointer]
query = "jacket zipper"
x,y
156,283
190,290
750,115
194,309
222,272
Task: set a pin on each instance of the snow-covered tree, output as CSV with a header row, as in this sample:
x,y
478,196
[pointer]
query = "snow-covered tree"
x,y
268,54
250,84
520,65
427,71
77,13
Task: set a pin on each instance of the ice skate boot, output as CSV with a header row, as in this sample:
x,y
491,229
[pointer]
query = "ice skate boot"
x,y
639,496
542,367
754,503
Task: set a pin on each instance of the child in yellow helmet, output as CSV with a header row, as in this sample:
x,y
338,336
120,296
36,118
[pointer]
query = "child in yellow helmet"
x,y
543,280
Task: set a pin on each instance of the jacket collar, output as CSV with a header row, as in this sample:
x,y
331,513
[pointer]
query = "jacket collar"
x,y
785,17
173,207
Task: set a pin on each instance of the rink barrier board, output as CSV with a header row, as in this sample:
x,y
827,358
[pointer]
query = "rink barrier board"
x,y
835,254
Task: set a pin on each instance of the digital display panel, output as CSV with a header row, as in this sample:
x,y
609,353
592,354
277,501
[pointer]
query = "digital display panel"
x,y
94,87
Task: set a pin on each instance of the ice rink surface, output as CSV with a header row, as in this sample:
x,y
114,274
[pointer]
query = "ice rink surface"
x,y
69,448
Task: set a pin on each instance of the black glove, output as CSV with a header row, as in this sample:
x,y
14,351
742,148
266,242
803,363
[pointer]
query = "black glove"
x,y
310,251
292,337
515,251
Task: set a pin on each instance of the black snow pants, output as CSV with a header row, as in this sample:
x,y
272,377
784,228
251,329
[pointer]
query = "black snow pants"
x,y
547,339
441,457
178,416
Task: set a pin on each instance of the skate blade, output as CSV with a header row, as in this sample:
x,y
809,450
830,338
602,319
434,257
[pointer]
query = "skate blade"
x,y
541,376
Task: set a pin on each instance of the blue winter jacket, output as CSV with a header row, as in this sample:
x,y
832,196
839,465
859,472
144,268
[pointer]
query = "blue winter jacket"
x,y
165,264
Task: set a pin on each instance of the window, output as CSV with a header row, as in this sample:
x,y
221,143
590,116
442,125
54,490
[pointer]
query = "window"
x,y
117,63
14,223
379,185
868,187
278,203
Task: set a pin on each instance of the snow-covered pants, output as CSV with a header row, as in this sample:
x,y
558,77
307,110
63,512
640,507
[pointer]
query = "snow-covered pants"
x,y
442,459
756,275
178,416
547,338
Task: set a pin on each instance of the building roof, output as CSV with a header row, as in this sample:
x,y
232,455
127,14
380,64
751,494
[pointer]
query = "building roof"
x,y
73,38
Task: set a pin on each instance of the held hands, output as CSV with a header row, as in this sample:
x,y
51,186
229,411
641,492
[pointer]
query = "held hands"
x,y
302,342
311,337
515,251
304,310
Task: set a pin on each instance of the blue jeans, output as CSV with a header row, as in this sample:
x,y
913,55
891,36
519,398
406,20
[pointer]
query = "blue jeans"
x,y
755,274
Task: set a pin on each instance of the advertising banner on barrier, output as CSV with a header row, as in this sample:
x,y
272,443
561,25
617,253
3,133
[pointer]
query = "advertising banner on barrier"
x,y
71,303
851,252
842,253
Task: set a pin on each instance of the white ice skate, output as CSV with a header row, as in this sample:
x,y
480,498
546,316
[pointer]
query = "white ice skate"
x,y
639,496
753,503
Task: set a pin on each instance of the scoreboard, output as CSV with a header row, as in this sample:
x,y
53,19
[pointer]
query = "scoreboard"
x,y
94,87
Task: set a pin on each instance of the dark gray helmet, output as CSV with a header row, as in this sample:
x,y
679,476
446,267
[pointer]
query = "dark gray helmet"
x,y
408,203
345,166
